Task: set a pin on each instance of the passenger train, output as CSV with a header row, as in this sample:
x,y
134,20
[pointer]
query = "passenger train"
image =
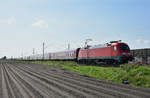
x,y
112,52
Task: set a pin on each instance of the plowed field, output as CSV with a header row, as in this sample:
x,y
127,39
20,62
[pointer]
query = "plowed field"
x,y
20,80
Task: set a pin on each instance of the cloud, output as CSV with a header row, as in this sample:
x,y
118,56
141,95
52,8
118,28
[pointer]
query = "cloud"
x,y
146,41
140,42
10,21
40,23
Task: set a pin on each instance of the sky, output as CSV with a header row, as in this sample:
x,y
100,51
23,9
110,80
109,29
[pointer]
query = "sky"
x,y
26,24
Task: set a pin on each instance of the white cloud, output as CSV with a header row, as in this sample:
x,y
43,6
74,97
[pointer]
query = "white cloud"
x,y
40,23
11,20
144,42
138,41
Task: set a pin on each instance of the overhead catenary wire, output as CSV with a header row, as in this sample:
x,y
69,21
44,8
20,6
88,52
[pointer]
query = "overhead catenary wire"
x,y
53,48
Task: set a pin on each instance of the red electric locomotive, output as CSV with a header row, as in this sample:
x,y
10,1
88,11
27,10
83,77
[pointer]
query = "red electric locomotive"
x,y
113,52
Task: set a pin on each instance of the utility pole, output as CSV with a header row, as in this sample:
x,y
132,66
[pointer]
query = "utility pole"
x,y
43,49
22,54
68,46
33,51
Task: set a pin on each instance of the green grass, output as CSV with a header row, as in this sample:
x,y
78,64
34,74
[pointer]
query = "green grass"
x,y
135,74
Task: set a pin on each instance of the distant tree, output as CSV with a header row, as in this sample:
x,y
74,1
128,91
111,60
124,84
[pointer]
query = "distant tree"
x,y
4,57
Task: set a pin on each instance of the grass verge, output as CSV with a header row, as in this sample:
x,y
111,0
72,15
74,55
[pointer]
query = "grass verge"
x,y
135,74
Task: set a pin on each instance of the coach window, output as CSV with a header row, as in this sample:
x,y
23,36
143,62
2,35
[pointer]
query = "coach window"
x,y
115,48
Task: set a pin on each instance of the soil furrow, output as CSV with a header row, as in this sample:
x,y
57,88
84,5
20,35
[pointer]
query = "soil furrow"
x,y
73,86
43,85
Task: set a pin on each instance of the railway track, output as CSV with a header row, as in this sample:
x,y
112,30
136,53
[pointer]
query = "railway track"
x,y
20,80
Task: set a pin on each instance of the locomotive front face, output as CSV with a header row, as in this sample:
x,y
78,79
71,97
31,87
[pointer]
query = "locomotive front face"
x,y
122,52
125,54
124,49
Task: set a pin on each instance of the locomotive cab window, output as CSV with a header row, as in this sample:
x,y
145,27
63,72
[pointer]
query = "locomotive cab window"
x,y
124,47
115,48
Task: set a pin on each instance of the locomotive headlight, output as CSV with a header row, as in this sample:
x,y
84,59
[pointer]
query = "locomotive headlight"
x,y
123,53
